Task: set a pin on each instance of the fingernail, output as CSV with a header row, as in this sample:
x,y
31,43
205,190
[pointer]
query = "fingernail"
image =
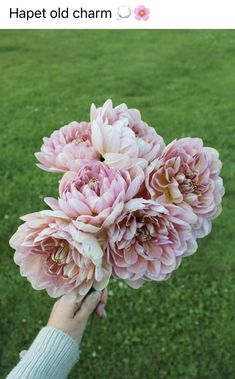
x,y
104,313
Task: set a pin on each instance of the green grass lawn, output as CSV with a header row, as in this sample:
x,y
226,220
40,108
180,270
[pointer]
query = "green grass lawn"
x,y
184,84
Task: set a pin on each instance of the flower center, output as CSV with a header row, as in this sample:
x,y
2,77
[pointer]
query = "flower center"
x,y
141,13
189,184
76,141
93,184
143,235
59,257
136,131
78,138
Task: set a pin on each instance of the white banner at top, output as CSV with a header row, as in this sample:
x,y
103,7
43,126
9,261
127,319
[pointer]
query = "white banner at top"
x,y
117,14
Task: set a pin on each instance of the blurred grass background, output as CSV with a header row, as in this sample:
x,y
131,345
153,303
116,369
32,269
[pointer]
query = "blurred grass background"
x,y
184,84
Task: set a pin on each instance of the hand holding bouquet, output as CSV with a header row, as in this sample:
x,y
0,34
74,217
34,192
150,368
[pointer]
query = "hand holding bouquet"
x,y
128,206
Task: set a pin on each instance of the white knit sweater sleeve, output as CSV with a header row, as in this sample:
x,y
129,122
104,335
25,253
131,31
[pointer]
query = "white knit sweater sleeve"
x,y
52,354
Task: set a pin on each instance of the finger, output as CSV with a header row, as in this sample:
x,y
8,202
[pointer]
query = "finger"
x,y
59,308
55,305
77,301
88,305
104,297
100,311
68,305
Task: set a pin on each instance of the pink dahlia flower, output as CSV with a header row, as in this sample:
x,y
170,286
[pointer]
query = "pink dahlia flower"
x,y
95,196
142,13
188,173
148,241
67,148
54,255
122,138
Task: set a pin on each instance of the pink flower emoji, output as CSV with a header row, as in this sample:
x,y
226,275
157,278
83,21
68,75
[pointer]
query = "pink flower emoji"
x,y
142,13
54,255
148,241
187,174
95,196
122,138
67,148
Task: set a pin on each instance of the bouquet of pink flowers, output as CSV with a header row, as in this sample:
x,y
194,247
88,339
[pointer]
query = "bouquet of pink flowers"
x,y
128,206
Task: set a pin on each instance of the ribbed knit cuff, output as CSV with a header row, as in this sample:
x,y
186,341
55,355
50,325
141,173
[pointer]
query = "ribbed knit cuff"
x,y
52,354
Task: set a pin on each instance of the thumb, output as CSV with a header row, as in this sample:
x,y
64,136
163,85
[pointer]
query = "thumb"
x,y
89,305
